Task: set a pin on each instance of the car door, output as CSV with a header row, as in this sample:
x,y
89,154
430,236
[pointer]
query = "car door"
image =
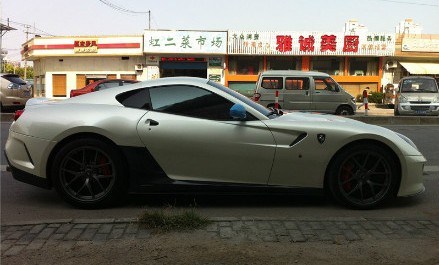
x,y
297,94
190,134
327,96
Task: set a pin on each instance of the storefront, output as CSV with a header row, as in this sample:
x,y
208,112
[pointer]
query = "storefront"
x,y
354,60
65,63
185,53
414,55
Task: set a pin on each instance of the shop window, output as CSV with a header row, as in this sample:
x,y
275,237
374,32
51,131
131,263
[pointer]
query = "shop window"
x,y
244,88
284,63
245,65
363,66
329,65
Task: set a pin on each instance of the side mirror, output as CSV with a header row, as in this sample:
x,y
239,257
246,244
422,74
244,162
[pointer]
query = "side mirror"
x,y
238,112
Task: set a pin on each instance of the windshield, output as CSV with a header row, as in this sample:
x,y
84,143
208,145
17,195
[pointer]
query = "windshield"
x,y
246,100
419,85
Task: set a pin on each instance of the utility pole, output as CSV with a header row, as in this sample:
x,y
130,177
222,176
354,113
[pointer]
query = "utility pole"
x,y
27,27
149,19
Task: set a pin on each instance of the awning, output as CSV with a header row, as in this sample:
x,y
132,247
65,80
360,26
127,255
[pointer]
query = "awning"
x,y
421,68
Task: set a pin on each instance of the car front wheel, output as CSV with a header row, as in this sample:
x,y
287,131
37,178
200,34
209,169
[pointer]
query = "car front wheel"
x,y
363,176
87,173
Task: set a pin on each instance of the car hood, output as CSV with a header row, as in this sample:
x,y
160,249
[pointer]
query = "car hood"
x,y
421,96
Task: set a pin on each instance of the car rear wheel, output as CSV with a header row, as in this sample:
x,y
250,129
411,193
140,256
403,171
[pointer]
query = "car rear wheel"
x,y
88,173
363,176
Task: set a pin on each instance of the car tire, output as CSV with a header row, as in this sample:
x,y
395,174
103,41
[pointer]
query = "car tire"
x,y
87,173
363,176
344,110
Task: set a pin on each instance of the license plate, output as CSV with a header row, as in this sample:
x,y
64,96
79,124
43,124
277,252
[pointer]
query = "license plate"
x,y
421,112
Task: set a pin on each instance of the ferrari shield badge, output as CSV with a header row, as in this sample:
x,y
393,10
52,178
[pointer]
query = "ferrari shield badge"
x,y
321,138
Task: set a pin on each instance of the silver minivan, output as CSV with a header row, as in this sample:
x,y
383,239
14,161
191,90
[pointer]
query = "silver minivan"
x,y
298,90
417,95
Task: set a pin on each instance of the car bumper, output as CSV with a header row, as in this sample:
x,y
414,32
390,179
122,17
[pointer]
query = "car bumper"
x,y
28,178
412,176
418,109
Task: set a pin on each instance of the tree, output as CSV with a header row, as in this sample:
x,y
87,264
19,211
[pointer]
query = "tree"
x,y
16,69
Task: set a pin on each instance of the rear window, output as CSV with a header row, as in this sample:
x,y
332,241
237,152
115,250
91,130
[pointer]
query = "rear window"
x,y
272,82
14,79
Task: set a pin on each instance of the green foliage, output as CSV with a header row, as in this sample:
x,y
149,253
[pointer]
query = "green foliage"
x,y
166,220
10,68
374,97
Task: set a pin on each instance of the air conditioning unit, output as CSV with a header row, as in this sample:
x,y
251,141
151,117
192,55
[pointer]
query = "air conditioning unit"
x,y
138,67
391,65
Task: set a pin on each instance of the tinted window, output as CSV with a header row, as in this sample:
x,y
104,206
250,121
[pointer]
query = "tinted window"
x,y
296,83
138,99
190,101
14,79
272,82
325,83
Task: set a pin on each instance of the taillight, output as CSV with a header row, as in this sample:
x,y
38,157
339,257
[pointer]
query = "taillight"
x,y
18,113
256,97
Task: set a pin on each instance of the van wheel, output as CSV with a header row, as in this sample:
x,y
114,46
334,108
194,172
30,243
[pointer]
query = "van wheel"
x,y
271,105
344,110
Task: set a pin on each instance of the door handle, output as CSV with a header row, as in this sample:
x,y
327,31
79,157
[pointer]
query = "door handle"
x,y
151,122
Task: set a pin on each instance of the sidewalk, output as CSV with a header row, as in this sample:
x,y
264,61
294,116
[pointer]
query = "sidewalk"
x,y
68,234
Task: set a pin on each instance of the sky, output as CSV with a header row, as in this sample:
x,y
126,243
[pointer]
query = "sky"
x,y
130,17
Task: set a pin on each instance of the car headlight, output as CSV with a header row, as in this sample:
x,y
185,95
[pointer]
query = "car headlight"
x,y
407,140
435,100
403,99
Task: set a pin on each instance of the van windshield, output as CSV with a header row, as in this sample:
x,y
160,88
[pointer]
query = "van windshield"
x,y
419,85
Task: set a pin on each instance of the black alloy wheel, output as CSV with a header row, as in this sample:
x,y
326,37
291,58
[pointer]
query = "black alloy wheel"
x,y
87,173
364,176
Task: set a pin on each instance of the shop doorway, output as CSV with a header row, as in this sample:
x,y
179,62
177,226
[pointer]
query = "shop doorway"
x,y
194,69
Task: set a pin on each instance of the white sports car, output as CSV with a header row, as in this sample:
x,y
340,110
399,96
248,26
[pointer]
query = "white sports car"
x,y
187,134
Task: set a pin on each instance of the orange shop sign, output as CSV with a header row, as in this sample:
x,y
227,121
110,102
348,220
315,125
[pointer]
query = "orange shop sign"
x,y
86,46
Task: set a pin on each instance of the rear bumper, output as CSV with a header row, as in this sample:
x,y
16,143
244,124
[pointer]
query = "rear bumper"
x,y
28,178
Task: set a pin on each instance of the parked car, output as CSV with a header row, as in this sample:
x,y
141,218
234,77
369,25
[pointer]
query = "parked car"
x,y
101,85
309,91
192,135
14,91
417,95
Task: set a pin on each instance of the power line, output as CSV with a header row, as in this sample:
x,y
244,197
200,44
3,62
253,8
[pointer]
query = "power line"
x,y
122,9
27,25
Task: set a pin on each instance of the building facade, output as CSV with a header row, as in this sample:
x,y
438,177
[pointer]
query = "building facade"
x,y
355,58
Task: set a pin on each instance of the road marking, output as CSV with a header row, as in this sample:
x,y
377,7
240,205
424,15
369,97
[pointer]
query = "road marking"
x,y
3,168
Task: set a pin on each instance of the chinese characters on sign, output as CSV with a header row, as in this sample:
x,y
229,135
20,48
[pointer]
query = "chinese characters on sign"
x,y
185,41
85,46
312,43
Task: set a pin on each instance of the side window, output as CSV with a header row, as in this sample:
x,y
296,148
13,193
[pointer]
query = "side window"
x,y
190,101
138,99
325,83
272,82
297,83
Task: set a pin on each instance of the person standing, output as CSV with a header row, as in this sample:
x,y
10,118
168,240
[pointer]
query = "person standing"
x,y
365,100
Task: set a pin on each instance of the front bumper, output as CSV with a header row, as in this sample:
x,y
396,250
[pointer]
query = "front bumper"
x,y
418,109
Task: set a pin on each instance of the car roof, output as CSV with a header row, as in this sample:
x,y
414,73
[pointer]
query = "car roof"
x,y
108,96
294,72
